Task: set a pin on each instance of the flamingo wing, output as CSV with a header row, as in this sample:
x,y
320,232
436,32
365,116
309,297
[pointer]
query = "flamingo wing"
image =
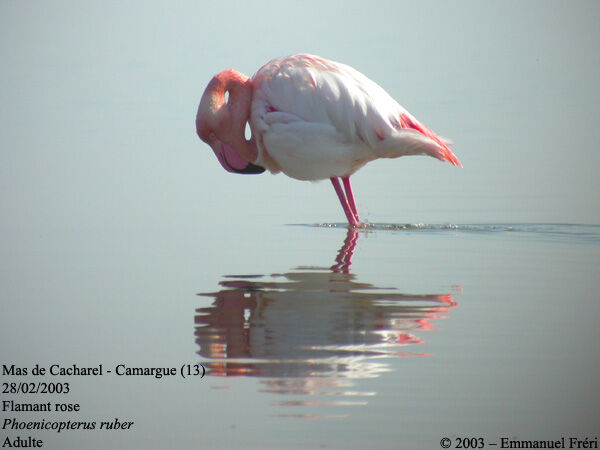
x,y
319,119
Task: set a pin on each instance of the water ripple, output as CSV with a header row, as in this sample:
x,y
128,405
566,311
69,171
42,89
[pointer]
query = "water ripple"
x,y
559,232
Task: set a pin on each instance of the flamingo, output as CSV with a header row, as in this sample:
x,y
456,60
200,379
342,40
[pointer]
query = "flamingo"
x,y
312,119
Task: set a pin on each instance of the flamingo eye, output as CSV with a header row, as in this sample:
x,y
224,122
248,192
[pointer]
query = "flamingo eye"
x,y
211,136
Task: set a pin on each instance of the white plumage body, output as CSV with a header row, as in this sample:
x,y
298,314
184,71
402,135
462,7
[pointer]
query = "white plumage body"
x,y
314,119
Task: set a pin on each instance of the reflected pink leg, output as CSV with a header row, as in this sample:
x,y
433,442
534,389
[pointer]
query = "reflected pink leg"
x,y
350,197
344,257
338,190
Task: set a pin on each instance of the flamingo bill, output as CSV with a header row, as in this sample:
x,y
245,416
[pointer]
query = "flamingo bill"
x,y
232,161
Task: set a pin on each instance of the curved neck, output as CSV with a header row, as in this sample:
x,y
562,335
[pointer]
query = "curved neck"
x,y
234,114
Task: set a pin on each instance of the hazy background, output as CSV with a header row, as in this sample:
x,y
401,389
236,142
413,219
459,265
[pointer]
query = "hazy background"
x,y
114,215
98,100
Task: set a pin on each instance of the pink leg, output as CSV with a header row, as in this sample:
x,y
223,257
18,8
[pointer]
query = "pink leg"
x,y
350,197
338,190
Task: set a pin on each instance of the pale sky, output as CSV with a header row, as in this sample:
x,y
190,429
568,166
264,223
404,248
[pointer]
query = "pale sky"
x,y
98,100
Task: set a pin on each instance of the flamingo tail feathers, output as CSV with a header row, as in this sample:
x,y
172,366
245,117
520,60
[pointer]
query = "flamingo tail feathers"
x,y
439,151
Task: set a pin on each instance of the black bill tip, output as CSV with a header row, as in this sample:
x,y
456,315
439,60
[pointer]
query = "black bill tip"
x,y
250,169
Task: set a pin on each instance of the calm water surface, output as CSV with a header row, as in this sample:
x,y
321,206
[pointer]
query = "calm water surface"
x,y
427,331
326,338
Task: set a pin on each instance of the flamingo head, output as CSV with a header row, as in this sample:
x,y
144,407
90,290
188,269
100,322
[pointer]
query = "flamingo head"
x,y
221,121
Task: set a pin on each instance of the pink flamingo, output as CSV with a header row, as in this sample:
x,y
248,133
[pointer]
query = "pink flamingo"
x,y
312,119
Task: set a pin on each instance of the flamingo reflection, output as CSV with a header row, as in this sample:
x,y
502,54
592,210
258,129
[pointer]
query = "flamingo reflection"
x,y
312,330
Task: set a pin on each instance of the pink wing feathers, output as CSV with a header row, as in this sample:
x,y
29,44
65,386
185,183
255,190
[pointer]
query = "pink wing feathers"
x,y
442,152
310,101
